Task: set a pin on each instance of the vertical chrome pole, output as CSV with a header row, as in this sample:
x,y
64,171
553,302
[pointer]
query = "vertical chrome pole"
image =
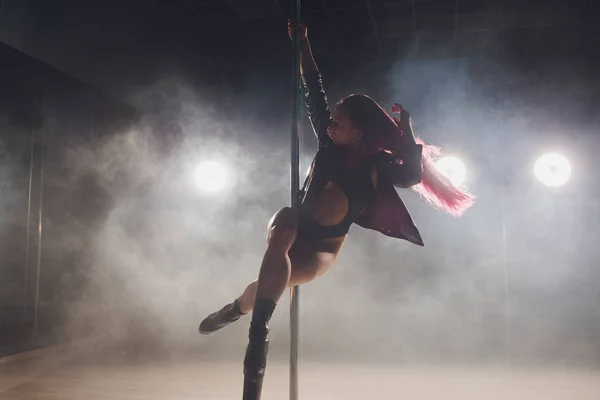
x,y
295,188
38,272
26,302
507,351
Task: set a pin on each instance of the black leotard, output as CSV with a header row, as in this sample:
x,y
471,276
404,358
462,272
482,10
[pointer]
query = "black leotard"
x,y
330,165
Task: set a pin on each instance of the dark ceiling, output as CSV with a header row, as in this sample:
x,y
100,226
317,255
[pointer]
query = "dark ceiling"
x,y
231,40
388,29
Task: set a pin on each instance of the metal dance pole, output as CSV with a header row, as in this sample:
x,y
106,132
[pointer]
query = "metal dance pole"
x,y
295,164
26,302
38,271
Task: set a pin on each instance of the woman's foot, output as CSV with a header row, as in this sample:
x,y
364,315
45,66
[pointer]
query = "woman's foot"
x,y
220,319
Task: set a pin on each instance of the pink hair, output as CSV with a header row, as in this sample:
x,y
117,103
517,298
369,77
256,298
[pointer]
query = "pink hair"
x,y
436,189
386,134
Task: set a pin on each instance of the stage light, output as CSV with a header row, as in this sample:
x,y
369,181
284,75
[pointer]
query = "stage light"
x,y
211,176
552,170
453,169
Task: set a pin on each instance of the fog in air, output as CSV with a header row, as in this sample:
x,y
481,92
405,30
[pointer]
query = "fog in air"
x,y
501,281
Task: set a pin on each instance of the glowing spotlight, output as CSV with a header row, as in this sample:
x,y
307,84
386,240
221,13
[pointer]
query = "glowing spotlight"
x,y
453,169
552,170
211,176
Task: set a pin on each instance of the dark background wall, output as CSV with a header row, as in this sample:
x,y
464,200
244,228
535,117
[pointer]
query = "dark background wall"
x,y
42,111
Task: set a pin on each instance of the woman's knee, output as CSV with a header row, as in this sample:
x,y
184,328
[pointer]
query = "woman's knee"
x,y
283,228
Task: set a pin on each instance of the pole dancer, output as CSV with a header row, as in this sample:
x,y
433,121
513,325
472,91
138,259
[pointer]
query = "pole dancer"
x,y
363,154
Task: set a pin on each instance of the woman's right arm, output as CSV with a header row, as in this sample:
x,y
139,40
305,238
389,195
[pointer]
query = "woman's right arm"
x,y
314,93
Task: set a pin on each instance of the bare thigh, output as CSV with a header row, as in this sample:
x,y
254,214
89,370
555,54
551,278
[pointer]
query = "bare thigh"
x,y
308,259
312,259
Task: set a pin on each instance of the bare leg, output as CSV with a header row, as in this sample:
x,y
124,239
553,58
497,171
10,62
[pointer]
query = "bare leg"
x,y
276,267
261,296
246,299
307,261
273,278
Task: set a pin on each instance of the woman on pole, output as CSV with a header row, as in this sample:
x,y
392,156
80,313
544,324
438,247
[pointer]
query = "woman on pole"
x,y
363,154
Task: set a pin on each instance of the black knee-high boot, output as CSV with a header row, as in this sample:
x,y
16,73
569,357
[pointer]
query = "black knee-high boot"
x,y
255,361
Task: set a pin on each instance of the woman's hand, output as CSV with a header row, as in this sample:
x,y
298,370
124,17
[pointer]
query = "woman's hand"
x,y
307,61
404,122
292,30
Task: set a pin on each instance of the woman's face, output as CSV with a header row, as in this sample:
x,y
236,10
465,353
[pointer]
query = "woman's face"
x,y
342,131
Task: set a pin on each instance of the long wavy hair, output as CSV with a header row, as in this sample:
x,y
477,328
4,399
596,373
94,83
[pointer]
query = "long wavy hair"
x,y
382,132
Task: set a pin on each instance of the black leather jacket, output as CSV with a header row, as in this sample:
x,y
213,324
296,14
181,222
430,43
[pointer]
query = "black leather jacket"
x,y
384,212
